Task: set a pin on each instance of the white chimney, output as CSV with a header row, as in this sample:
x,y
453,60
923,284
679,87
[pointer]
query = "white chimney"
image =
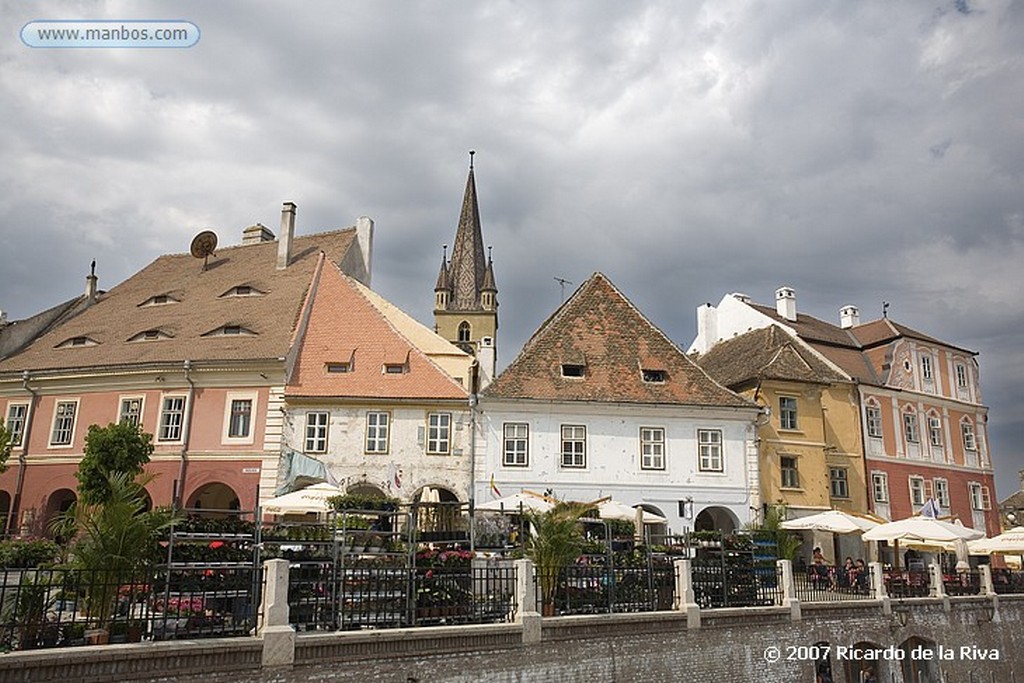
x,y
487,360
849,316
785,303
284,247
707,328
3,318
256,234
364,236
91,282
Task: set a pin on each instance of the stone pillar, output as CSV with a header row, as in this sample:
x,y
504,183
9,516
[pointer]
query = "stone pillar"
x,y
878,586
684,599
526,601
789,598
988,589
937,589
278,635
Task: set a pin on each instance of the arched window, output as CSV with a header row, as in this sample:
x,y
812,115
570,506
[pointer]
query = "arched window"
x,y
464,331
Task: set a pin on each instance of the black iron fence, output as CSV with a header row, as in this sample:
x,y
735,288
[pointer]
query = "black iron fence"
x,y
61,606
962,583
913,583
823,583
1007,581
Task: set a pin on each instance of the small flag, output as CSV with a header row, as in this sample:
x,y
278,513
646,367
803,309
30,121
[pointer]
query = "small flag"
x,y
494,487
930,509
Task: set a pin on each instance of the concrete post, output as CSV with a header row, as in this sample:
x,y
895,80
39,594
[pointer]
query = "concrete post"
x,y
937,588
278,635
988,589
684,599
526,601
878,587
789,598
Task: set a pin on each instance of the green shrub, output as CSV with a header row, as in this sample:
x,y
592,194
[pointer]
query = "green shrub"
x,y
24,553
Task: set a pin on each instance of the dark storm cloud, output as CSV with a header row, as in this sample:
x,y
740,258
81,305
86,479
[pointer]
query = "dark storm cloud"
x,y
858,152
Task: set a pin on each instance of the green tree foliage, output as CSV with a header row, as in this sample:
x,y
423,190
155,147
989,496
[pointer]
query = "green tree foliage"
x,y
116,448
786,543
556,541
5,446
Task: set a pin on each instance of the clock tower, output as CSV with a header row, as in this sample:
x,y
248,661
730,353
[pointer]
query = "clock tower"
x,y
465,296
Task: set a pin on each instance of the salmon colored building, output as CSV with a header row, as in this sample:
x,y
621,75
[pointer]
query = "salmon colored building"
x,y
198,351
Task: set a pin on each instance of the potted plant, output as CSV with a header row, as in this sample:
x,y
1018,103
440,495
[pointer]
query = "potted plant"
x,y
557,541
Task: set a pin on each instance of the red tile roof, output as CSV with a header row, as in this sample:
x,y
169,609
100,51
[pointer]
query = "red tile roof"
x,y
600,328
345,327
762,354
120,314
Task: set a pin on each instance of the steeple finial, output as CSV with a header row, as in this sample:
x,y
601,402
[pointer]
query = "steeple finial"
x,y
444,253
488,253
471,153
92,268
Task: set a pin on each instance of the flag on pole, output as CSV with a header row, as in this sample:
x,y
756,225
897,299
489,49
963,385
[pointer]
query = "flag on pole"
x,y
494,487
931,509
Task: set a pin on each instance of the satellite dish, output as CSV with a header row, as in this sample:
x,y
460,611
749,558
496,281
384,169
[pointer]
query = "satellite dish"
x,y
203,245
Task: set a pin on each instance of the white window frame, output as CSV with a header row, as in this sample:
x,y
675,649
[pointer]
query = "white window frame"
x,y
18,432
794,482
710,452
839,482
166,413
574,446
70,429
122,415
927,370
918,495
788,414
230,400
378,432
940,486
911,430
981,498
968,435
317,431
935,431
880,485
652,448
439,433
961,375
515,444
873,418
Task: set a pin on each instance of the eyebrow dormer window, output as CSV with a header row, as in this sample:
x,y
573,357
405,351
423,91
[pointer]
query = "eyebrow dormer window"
x,y
150,335
653,376
230,331
159,300
572,370
77,342
242,291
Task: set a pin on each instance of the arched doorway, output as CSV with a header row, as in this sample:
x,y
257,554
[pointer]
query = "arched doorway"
x,y
715,519
822,653
59,502
656,532
214,496
5,510
439,515
365,489
866,656
920,668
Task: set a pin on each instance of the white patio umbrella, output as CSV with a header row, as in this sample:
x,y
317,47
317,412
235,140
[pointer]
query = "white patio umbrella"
x,y
835,521
611,509
922,531
1007,543
310,499
525,501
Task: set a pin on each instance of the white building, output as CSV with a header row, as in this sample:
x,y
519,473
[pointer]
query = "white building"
x,y
601,403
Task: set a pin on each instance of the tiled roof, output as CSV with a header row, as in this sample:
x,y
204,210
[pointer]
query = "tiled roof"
x,y
466,270
885,330
851,361
765,353
598,327
346,327
122,314
810,328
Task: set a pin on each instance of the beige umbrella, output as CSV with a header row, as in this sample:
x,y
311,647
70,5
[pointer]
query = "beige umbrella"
x,y
310,499
611,509
922,531
835,521
517,503
1007,543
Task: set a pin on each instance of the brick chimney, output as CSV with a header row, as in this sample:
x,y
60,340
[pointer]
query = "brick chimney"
x,y
785,303
284,246
849,316
91,282
255,234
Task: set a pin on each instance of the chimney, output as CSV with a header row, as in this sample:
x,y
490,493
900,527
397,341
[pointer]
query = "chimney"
x,y
785,303
849,316
255,234
740,296
364,237
1021,475
90,283
284,246
487,359
3,318
707,328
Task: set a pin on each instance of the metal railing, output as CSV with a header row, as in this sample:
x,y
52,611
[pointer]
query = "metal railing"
x,y
913,583
1007,581
962,583
822,583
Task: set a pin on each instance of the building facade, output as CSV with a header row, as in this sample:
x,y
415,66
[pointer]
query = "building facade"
x,y
196,351
601,403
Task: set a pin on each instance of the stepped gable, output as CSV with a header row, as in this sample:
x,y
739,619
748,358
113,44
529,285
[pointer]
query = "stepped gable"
x,y
600,329
346,328
201,304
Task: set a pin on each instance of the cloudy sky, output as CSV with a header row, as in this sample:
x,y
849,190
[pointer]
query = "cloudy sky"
x,y
858,152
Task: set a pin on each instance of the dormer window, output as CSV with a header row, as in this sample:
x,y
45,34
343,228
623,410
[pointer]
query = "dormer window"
x,y
653,376
242,291
393,369
150,335
338,367
77,342
230,331
573,370
159,300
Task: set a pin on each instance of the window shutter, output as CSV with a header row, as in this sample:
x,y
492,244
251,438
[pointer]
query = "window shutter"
x,y
929,490
986,499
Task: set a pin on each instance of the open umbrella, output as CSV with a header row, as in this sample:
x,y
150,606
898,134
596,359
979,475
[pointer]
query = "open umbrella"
x,y
922,531
1007,543
525,501
611,509
835,521
310,499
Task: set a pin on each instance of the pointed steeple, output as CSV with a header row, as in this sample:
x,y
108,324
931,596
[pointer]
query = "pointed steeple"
x,y
443,282
467,265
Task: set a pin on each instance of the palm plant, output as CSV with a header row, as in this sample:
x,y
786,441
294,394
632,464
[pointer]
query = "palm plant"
x,y
555,542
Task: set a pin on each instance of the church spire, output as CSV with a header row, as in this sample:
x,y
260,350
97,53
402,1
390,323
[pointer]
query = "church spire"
x,y
468,266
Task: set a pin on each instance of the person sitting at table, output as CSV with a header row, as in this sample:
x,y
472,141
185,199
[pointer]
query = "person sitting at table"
x,y
859,579
819,570
845,576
